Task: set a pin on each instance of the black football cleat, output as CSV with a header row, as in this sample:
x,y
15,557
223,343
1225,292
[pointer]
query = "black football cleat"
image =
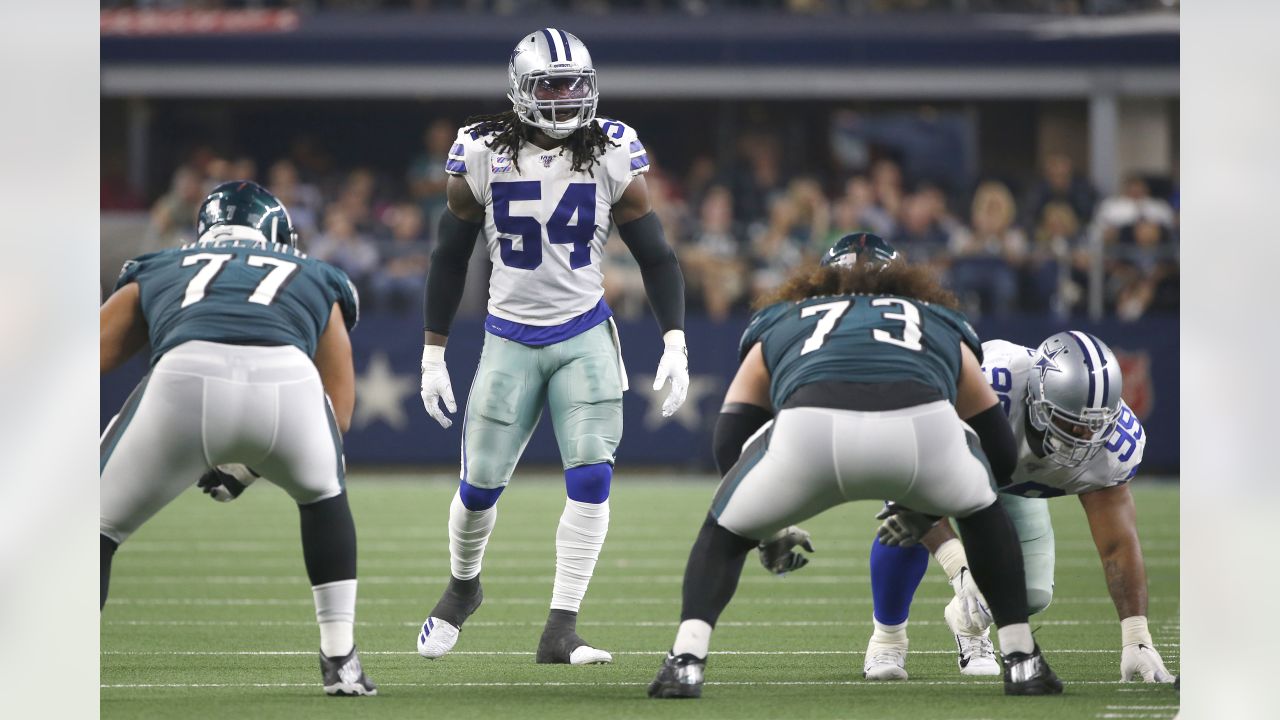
x,y
679,677
1029,674
561,645
344,676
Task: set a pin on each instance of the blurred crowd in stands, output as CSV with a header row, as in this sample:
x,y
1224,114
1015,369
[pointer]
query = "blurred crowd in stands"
x,y
1002,249
692,7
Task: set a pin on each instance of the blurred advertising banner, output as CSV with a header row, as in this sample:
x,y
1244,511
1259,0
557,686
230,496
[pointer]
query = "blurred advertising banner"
x,y
127,22
390,426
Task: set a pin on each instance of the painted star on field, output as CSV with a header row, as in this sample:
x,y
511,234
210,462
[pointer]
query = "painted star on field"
x,y
688,415
380,393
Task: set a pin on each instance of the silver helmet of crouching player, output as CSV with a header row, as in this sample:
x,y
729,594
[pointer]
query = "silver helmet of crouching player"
x,y
1073,395
552,83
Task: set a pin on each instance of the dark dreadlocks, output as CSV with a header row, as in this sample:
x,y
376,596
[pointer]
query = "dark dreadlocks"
x,y
585,144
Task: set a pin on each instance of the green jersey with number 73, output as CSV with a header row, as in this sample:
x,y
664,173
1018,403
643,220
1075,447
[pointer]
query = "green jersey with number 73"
x,y
238,292
860,339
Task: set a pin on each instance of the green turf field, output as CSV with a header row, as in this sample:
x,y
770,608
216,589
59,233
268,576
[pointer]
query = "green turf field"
x,y
210,615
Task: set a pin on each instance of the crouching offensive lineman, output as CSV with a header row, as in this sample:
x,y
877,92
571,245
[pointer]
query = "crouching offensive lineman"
x,y
1075,436
250,364
855,382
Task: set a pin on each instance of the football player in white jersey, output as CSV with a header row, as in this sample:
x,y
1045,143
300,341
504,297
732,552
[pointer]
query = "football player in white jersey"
x,y
544,183
1075,437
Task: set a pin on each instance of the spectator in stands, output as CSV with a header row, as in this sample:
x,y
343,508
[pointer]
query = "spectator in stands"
x,y
755,190
342,245
303,200
1058,182
920,234
886,180
986,258
426,176
1048,274
173,217
861,196
1132,205
714,260
797,229
357,201
399,283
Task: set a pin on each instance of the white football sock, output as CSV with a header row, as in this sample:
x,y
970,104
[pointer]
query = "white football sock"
x,y
469,532
951,557
336,614
889,634
694,637
1016,638
578,542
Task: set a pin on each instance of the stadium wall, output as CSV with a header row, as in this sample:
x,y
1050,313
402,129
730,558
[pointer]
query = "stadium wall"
x,y
391,428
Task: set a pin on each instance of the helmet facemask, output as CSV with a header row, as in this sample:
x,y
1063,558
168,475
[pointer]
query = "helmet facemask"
x,y
557,101
1061,444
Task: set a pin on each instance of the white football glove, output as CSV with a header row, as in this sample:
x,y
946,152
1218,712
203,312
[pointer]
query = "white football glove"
x,y
1138,657
902,526
436,385
967,613
777,554
1142,662
673,366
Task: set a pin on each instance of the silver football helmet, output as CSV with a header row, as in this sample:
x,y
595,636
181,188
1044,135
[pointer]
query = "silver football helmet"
x,y
1073,396
552,83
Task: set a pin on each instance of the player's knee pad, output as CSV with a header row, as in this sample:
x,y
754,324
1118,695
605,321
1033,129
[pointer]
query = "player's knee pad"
x,y
1038,600
476,499
588,483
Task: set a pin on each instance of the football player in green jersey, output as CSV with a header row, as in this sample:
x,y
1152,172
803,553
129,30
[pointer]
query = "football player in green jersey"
x,y
251,365
855,383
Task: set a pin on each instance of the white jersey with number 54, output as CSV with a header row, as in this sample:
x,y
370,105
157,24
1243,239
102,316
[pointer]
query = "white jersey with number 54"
x,y
1008,367
545,225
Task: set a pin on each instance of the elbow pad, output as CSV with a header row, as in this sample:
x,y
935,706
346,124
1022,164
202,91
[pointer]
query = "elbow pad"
x,y
998,443
737,423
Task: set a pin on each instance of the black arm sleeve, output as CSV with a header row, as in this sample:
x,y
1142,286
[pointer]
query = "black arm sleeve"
x,y
736,423
663,281
448,272
998,442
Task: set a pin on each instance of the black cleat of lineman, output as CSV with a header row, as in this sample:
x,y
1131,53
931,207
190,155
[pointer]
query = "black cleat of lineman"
x,y
1029,674
679,677
344,676
460,599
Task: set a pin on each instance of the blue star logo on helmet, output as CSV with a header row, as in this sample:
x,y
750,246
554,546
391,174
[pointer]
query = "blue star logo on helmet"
x,y
1047,363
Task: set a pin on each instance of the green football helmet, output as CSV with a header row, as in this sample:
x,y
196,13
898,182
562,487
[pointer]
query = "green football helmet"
x,y
860,247
247,204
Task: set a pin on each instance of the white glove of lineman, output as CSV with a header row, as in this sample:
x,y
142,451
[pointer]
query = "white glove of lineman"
x,y
673,366
1138,658
436,385
967,613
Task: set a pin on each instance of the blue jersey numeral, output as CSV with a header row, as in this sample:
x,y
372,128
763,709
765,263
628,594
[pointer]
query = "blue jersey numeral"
x,y
526,228
613,129
1002,383
1124,442
579,200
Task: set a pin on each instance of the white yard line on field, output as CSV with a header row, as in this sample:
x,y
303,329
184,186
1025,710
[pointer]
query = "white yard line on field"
x,y
518,653
672,600
977,683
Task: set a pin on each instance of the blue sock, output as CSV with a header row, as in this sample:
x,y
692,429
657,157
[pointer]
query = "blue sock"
x,y
896,572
